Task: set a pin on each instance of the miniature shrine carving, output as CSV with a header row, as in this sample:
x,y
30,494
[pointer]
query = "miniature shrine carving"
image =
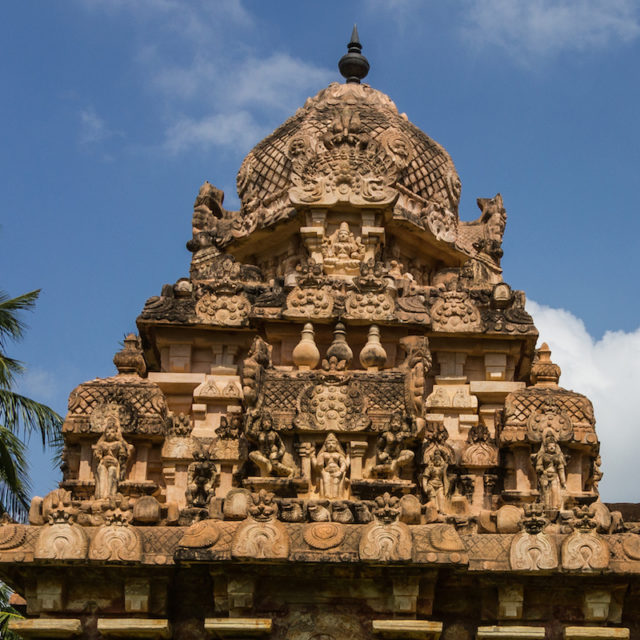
x,y
342,387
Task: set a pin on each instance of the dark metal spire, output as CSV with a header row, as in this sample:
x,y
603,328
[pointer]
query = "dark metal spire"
x,y
353,65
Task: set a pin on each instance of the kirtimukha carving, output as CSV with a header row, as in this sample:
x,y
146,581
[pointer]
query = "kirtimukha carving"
x,y
331,465
343,386
111,455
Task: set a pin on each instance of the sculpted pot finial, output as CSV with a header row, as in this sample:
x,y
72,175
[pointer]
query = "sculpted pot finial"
x,y
306,355
373,356
353,65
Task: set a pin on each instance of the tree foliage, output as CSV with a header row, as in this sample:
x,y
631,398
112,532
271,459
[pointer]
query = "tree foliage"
x,y
20,417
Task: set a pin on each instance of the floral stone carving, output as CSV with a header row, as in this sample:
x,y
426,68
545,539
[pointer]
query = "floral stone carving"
x,y
116,543
532,552
225,310
311,303
453,311
324,535
61,542
262,536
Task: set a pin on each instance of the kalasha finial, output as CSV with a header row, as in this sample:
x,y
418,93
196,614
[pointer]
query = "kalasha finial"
x,y
353,65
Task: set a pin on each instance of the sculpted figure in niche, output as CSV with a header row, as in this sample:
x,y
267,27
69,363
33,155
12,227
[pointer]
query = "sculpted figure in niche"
x,y
550,465
391,456
342,250
270,452
111,454
201,479
434,479
331,465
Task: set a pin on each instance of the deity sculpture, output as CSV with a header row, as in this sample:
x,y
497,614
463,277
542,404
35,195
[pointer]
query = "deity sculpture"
x,y
111,454
230,428
201,479
391,456
331,464
342,251
550,465
270,454
258,359
434,479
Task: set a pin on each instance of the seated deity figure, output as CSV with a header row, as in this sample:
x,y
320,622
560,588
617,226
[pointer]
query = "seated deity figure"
x,y
550,465
331,464
391,455
434,478
342,250
270,454
111,454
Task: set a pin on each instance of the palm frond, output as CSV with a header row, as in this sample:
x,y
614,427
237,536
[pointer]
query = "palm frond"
x,y
11,326
28,416
14,479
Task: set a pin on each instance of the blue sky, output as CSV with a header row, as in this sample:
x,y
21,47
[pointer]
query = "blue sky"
x,y
114,113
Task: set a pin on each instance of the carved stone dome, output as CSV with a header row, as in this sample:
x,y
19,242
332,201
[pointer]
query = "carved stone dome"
x,y
348,144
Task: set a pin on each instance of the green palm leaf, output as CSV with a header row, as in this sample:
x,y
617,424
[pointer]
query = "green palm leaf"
x,y
20,417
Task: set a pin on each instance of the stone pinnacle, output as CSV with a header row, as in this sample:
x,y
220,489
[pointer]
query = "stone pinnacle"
x,y
353,65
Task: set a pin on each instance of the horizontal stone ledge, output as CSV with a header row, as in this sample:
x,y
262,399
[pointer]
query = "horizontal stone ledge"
x,y
46,627
418,629
134,627
506,632
232,626
596,633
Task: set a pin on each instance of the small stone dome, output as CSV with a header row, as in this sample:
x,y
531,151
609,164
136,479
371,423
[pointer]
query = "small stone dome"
x,y
346,130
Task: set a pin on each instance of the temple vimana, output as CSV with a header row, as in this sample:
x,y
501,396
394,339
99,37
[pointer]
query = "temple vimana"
x,y
337,427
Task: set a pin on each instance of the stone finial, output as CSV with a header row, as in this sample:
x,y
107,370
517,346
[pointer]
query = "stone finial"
x,y
339,354
129,359
353,65
544,372
373,356
306,355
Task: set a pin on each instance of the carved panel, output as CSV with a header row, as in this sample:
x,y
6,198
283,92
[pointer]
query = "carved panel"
x,y
61,542
585,551
386,542
225,310
532,552
116,543
261,540
309,303
454,311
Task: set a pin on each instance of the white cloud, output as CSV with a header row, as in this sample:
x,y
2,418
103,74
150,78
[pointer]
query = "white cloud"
x,y
608,372
224,129
93,129
529,29
216,90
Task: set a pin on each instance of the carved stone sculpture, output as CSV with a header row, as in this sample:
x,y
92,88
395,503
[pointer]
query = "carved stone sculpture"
x,y
342,252
331,465
201,479
111,454
434,478
550,465
391,450
270,452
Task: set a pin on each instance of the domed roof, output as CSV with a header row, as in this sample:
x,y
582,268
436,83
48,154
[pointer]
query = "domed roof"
x,y
348,138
